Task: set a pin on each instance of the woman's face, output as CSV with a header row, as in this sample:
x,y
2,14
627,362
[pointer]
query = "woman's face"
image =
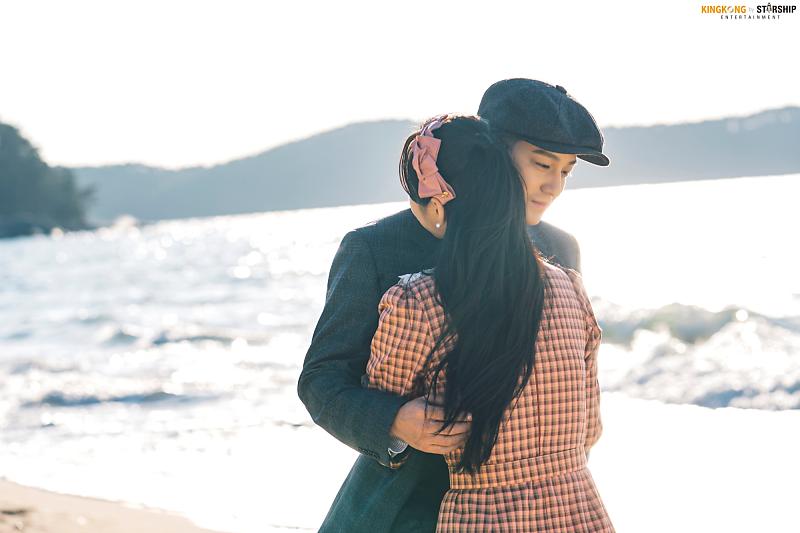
x,y
544,174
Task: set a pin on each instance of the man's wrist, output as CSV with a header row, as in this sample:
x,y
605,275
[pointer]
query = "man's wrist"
x,y
385,430
397,446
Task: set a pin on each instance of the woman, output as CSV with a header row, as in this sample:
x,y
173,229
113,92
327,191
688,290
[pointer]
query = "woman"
x,y
496,333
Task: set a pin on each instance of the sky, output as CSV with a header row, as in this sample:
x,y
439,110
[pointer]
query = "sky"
x,y
181,83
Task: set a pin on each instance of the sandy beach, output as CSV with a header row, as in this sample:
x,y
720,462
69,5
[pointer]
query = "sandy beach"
x,y
23,509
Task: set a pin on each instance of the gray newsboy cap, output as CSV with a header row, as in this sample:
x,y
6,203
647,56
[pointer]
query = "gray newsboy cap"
x,y
544,115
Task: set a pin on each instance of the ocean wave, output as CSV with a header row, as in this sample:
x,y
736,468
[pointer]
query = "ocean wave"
x,y
687,323
118,336
111,336
19,334
748,363
60,399
23,367
167,337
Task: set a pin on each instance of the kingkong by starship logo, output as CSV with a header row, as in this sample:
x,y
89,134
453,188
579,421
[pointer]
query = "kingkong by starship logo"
x,y
745,12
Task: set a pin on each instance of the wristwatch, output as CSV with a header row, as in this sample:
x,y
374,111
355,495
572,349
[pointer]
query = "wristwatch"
x,y
397,446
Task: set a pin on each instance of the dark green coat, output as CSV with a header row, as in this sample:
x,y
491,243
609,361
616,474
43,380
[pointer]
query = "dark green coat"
x,y
373,497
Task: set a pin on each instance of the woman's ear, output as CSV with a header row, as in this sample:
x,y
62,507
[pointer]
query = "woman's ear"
x,y
437,210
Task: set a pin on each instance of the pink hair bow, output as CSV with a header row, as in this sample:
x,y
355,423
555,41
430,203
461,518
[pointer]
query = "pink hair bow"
x,y
425,152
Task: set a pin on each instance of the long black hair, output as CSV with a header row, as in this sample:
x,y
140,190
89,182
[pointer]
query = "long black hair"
x,y
488,279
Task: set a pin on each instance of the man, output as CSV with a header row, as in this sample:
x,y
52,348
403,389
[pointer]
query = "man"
x,y
544,129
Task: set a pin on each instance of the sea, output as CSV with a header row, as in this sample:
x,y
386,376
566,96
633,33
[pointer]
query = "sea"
x,y
156,364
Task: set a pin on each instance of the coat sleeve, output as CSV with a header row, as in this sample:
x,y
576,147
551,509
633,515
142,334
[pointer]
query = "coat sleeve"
x,y
556,244
576,253
330,381
400,347
594,425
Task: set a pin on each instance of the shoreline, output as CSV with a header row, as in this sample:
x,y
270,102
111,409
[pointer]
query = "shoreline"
x,y
33,510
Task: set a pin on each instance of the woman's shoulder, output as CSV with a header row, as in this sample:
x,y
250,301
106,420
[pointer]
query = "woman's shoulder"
x,y
419,285
556,270
416,279
566,278
416,289
413,302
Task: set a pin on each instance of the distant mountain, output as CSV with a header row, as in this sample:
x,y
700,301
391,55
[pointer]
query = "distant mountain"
x,y
357,164
762,144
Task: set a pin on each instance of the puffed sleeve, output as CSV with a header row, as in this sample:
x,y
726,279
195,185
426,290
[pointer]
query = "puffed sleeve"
x,y
401,343
594,425
399,348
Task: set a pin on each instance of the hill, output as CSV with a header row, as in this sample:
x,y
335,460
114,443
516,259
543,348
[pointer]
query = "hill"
x,y
35,197
357,164
350,165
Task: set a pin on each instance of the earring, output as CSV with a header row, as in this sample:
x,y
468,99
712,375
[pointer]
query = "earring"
x,y
438,225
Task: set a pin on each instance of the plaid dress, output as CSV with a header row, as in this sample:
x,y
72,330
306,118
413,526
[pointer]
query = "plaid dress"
x,y
536,478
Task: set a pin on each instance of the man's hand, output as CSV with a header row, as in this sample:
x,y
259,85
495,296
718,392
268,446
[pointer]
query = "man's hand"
x,y
417,427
